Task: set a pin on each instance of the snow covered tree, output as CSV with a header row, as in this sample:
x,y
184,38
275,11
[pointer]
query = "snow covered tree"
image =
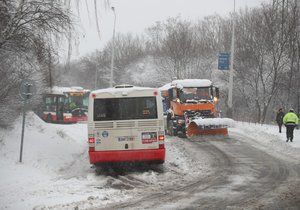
x,y
28,30
264,57
174,48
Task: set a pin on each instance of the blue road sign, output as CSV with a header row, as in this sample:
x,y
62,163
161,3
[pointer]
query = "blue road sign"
x,y
223,61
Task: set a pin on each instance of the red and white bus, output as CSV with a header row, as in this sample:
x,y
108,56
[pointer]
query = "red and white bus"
x,y
65,105
125,124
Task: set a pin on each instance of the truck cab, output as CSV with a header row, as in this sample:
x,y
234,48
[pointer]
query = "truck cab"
x,y
187,98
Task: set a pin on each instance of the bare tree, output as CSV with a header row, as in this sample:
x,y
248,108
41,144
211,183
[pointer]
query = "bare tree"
x,y
174,47
128,49
27,31
263,57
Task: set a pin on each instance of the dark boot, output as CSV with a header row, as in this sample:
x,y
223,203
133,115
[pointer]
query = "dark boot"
x,y
279,129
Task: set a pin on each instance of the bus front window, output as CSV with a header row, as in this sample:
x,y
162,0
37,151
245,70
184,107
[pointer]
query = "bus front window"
x,y
75,102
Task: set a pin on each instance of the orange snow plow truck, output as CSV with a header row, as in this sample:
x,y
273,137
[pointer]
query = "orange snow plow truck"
x,y
191,107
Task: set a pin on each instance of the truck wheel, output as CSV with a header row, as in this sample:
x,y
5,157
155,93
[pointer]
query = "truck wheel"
x,y
182,135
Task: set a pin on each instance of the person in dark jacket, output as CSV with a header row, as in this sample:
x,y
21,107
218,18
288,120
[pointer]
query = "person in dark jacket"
x,y
290,121
279,118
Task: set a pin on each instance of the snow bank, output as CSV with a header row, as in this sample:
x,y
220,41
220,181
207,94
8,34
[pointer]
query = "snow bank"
x,y
56,173
55,166
264,132
268,139
46,146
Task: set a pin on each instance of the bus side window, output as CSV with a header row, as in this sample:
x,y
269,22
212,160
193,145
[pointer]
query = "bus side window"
x,y
150,103
49,104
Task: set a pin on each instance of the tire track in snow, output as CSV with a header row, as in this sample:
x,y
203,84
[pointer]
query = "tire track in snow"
x,y
184,190
244,177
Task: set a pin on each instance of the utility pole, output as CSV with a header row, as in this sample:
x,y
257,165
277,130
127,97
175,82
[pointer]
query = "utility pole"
x,y
230,111
96,78
50,67
298,62
112,51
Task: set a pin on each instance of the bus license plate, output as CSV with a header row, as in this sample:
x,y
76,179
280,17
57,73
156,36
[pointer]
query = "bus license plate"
x,y
125,138
146,136
149,137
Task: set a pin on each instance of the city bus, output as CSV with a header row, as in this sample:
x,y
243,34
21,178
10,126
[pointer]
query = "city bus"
x,y
65,105
125,124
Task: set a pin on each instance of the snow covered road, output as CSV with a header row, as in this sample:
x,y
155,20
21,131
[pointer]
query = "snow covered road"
x,y
253,168
242,177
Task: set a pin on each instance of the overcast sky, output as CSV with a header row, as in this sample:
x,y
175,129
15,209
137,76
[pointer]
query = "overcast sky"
x,y
134,16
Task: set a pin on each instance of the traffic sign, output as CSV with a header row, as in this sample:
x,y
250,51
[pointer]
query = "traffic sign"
x,y
27,89
223,61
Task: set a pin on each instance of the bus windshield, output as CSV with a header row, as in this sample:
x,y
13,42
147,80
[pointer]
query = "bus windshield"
x,y
77,101
195,94
52,101
125,108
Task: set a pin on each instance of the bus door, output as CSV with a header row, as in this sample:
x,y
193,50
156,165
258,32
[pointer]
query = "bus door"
x,y
60,102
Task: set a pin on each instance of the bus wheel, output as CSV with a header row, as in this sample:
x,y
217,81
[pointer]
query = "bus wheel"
x,y
158,166
49,118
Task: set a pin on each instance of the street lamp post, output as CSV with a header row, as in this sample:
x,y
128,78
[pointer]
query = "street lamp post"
x,y
96,78
112,51
230,111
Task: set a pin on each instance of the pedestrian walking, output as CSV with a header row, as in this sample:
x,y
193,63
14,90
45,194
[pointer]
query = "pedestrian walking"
x,y
279,118
290,121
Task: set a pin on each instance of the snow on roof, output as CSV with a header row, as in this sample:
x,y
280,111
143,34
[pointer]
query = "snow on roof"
x,y
62,90
192,83
165,87
118,90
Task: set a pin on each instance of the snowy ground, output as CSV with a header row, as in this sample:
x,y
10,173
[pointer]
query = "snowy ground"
x,y
56,174
265,133
268,138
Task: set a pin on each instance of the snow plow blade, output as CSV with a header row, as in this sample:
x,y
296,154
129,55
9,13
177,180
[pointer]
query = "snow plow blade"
x,y
209,126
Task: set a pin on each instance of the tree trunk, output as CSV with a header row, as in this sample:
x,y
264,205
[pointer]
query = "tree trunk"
x,y
50,68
